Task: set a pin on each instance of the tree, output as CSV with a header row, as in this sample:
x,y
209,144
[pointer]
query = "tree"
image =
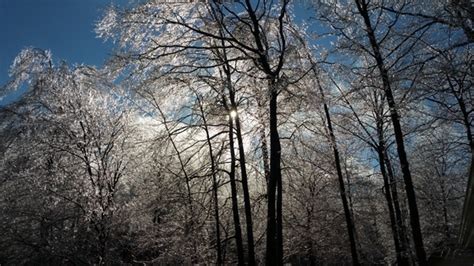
x,y
245,32
80,133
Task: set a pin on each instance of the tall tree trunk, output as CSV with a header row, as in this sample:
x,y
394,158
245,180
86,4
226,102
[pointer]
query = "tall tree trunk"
x,y
248,207
263,142
342,189
214,186
401,259
233,188
273,255
351,205
279,221
402,229
411,196
274,252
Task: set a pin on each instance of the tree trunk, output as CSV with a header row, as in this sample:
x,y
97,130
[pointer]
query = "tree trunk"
x,y
235,204
391,195
273,256
342,189
401,260
279,221
264,146
248,207
402,229
243,169
411,196
214,187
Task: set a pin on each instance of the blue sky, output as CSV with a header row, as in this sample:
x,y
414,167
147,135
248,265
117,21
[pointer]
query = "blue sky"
x,y
66,27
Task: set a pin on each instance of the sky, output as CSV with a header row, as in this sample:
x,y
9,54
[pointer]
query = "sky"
x,y
65,27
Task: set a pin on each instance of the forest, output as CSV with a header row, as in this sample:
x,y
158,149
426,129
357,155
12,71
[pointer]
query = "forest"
x,y
234,132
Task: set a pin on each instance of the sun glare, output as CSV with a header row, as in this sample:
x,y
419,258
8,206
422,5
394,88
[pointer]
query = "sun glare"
x,y
233,114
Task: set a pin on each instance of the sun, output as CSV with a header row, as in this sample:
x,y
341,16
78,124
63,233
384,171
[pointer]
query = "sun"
x,y
233,114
